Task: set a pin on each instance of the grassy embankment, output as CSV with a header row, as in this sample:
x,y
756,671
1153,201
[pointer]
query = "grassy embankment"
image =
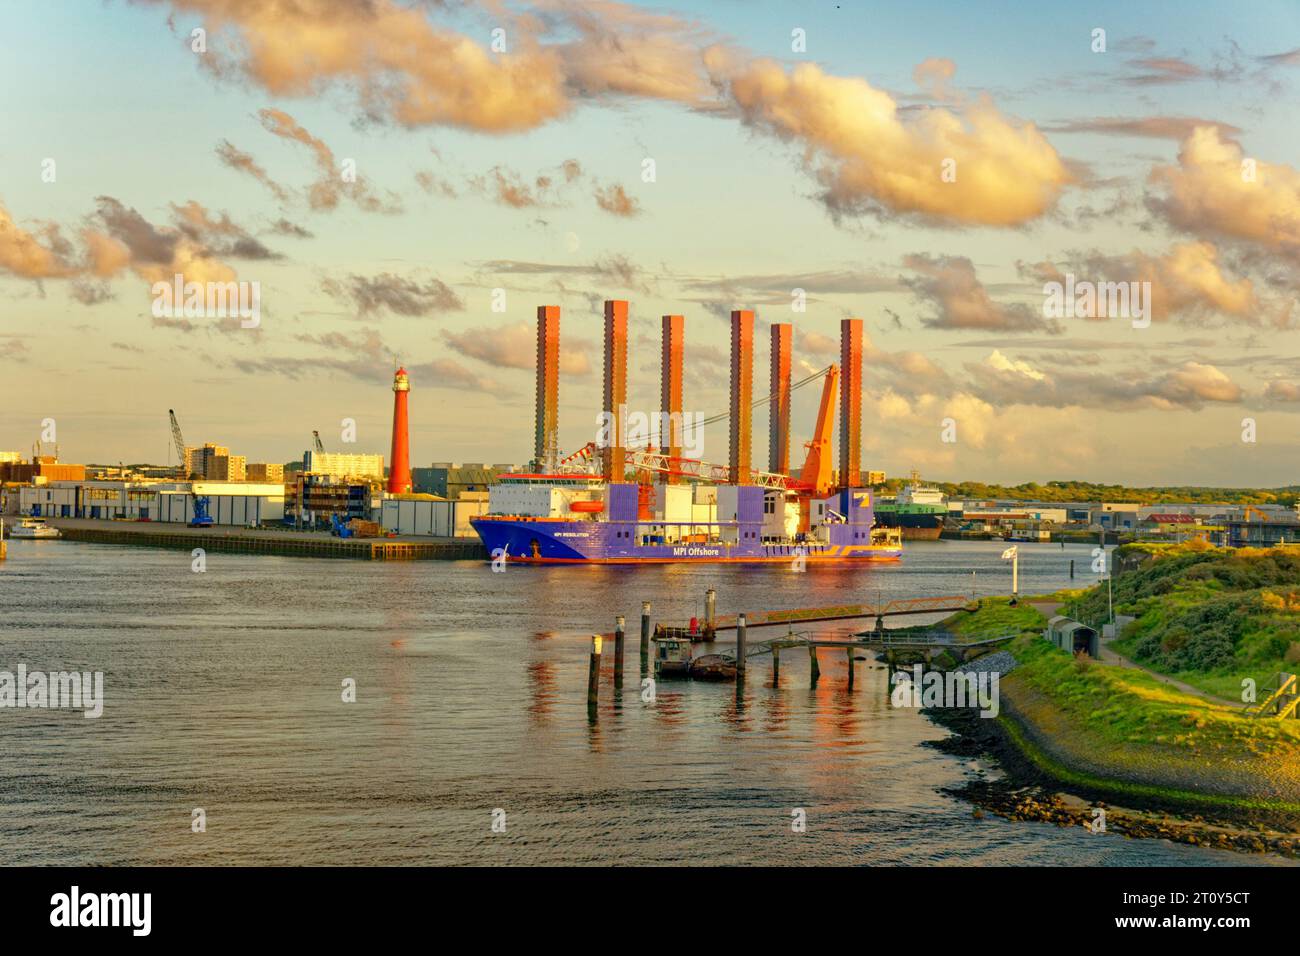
x,y
1209,617
1121,731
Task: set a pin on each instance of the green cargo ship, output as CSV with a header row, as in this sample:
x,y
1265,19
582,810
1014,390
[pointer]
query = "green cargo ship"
x,y
918,511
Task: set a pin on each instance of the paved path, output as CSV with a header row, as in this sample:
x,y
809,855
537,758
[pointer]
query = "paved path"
x,y
1109,656
1114,658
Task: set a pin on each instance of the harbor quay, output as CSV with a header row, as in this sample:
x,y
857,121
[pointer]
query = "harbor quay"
x,y
307,544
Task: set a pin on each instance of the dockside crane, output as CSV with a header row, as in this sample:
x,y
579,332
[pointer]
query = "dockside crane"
x,y
179,441
316,437
201,518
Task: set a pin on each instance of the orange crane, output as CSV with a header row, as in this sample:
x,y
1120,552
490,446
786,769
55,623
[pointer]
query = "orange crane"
x,y
817,474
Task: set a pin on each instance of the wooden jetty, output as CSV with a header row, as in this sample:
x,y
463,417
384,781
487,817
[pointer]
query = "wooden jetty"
x,y
842,612
707,629
926,644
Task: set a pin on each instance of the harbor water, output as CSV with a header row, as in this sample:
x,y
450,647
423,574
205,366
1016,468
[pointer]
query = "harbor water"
x,y
223,691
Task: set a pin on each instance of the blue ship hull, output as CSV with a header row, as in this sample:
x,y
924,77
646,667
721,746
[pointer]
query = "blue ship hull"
x,y
560,541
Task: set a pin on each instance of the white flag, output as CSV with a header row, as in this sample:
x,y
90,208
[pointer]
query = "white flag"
x,y
1009,553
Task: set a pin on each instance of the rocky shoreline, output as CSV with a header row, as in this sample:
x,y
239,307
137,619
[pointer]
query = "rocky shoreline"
x,y
1027,793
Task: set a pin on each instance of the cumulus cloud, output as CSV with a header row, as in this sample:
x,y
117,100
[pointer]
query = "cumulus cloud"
x,y
997,360
613,270
27,256
365,357
867,156
120,238
283,227
613,198
1190,386
515,346
783,284
1283,393
1150,127
13,349
960,301
243,162
909,373
933,75
401,66
814,343
510,188
1207,193
333,182
218,233
1187,281
397,294
1162,70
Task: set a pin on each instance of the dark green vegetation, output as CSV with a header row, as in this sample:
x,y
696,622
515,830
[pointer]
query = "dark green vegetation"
x,y
1206,616
1088,491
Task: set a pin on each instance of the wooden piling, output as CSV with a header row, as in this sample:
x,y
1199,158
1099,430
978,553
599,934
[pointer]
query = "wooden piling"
x,y
812,663
849,651
1072,567
776,666
593,676
620,626
740,646
645,634
710,607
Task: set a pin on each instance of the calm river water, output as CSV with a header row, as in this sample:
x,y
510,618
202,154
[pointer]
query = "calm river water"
x,y
223,691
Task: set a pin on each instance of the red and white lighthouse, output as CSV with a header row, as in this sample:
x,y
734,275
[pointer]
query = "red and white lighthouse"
x,y
399,469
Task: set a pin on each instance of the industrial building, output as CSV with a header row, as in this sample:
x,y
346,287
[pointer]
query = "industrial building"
x,y
417,514
40,468
344,466
313,498
1276,530
242,505
450,479
233,503
265,472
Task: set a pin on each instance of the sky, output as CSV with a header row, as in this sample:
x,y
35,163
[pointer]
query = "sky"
x,y
409,181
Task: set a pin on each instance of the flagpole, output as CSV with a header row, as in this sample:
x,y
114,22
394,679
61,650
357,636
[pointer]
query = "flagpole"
x,y
1013,554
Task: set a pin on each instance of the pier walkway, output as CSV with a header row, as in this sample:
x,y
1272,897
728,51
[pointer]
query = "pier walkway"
x,y
841,612
891,643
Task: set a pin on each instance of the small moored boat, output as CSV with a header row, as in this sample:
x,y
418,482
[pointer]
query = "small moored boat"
x,y
672,656
33,528
712,667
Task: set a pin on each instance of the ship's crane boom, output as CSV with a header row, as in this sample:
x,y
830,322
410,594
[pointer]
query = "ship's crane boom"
x,y
316,436
817,472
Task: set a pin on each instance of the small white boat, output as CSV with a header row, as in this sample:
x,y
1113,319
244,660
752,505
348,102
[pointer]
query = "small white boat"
x,y
33,528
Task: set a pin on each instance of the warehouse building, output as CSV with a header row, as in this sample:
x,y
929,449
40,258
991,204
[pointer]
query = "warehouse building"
x,y
241,504
229,503
430,515
448,479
